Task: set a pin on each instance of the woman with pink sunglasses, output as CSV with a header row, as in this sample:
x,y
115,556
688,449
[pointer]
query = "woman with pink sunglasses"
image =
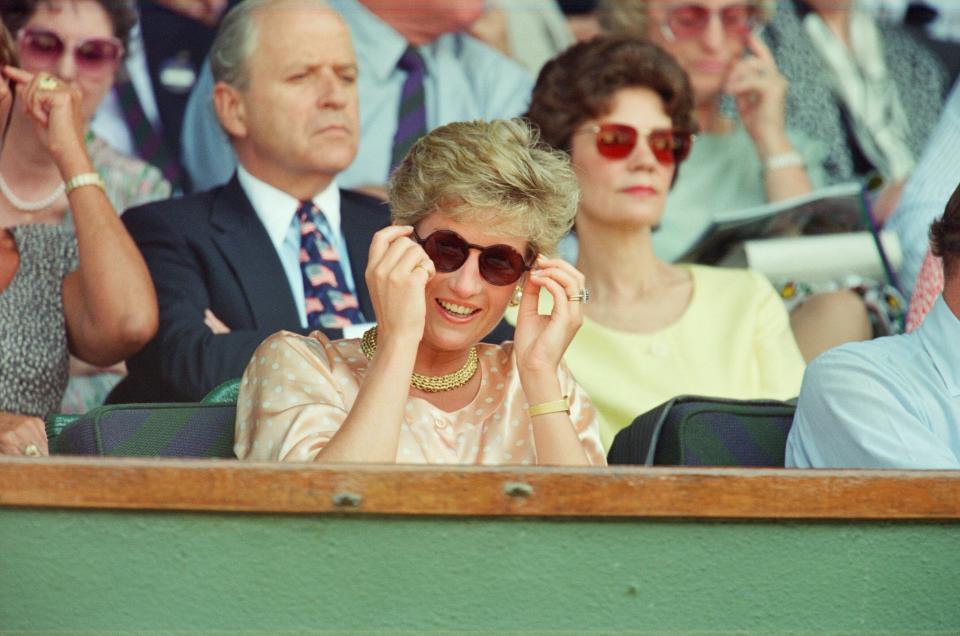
x,y
744,156
82,44
624,111
89,294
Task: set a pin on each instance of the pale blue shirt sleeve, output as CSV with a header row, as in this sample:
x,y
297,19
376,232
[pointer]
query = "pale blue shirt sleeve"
x,y
928,189
206,152
856,411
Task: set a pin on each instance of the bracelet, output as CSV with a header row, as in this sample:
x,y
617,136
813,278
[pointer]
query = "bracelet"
x,y
85,179
790,159
556,406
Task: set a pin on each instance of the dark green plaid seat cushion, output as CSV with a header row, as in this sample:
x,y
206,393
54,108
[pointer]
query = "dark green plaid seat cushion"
x,y
157,430
703,431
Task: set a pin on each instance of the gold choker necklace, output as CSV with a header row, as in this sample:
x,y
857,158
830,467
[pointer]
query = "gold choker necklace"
x,y
429,383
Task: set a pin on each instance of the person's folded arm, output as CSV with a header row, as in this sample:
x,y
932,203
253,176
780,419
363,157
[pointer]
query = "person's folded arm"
x,y
191,360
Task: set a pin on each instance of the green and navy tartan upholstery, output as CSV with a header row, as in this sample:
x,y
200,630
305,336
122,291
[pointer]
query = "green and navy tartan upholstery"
x,y
692,430
150,430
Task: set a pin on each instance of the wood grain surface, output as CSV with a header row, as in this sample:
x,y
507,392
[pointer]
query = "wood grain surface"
x,y
231,486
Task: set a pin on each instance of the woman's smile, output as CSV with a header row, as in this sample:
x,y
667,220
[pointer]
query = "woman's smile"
x,y
456,312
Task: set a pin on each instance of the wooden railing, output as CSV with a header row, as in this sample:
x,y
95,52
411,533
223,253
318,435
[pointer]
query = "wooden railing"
x,y
231,486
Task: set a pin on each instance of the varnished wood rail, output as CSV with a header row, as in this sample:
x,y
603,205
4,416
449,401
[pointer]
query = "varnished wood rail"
x,y
721,493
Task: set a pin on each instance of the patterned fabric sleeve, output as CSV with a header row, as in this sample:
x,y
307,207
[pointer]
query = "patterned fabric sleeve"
x,y
929,286
290,403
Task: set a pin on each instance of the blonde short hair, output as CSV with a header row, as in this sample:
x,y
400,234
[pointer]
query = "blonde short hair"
x,y
631,16
491,172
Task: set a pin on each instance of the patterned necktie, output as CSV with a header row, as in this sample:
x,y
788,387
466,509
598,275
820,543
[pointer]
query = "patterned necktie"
x,y
328,300
147,141
412,116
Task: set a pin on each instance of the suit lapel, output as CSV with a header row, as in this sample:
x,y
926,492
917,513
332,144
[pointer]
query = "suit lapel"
x,y
246,247
359,222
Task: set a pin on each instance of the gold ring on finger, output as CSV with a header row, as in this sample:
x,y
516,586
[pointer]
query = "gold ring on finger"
x,y
48,83
31,450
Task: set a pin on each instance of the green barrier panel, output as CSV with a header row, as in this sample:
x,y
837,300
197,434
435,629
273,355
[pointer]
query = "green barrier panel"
x,y
69,568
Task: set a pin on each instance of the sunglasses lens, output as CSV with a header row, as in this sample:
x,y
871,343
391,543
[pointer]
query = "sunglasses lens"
x,y
42,47
447,250
501,265
688,20
616,141
96,55
661,143
739,18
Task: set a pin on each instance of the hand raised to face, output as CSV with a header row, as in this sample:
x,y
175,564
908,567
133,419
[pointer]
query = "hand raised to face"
x,y
55,109
397,273
760,92
541,341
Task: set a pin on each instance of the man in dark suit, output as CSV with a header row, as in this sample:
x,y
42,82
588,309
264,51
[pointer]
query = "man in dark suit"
x,y
279,246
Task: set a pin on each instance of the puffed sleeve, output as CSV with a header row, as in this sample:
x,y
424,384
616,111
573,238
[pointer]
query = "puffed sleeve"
x,y
291,400
584,417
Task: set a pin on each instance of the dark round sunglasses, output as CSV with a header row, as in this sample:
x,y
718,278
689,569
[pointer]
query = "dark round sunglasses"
x,y
499,264
617,141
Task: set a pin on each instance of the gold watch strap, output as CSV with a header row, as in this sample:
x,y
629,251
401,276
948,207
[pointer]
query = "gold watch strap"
x,y
556,406
84,179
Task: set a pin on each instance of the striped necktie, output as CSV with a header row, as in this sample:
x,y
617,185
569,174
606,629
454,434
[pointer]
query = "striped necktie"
x,y
329,302
147,140
412,115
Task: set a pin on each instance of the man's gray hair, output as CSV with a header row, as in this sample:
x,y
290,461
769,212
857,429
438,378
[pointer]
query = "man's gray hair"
x,y
236,39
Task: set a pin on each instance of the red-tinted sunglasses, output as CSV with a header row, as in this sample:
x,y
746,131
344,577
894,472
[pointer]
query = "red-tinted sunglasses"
x,y
690,20
617,141
42,49
499,264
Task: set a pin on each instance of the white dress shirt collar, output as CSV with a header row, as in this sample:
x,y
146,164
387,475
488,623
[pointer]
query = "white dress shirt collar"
x,y
276,209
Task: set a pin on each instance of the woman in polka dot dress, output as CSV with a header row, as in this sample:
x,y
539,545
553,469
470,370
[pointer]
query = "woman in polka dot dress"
x,y
477,207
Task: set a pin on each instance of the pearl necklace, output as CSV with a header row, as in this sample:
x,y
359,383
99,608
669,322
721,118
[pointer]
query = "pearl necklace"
x,y
429,383
30,206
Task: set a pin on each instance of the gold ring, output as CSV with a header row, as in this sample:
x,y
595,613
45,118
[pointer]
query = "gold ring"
x,y
48,83
31,450
421,266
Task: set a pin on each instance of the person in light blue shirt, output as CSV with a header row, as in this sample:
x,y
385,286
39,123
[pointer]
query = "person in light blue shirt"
x,y
464,80
927,191
892,402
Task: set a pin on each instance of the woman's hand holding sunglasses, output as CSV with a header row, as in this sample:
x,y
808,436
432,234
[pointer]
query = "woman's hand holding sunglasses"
x,y
397,273
760,92
541,341
54,107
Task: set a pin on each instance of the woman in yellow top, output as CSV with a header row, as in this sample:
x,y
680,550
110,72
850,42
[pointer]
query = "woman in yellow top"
x,y
476,208
623,109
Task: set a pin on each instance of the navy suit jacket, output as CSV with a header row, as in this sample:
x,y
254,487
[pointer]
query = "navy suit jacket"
x,y
210,250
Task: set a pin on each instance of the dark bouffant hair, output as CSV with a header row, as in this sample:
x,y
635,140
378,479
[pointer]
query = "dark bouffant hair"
x,y
17,13
580,83
945,235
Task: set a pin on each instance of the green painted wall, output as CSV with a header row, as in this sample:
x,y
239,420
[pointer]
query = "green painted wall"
x,y
81,572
